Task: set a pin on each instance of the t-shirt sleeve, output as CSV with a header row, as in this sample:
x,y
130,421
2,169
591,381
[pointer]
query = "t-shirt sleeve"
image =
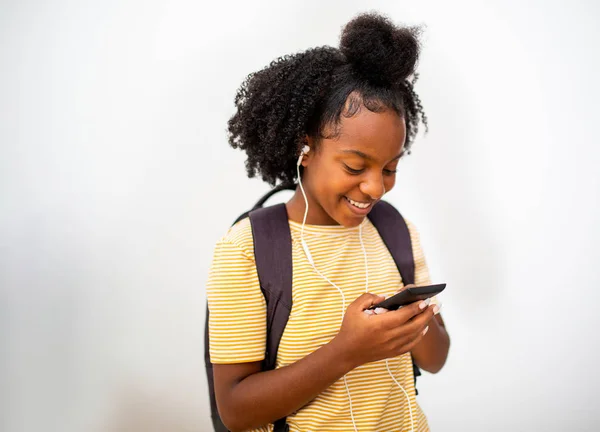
x,y
237,320
421,270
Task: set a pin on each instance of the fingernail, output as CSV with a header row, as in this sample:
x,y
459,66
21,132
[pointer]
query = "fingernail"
x,y
368,311
423,305
426,330
436,309
379,311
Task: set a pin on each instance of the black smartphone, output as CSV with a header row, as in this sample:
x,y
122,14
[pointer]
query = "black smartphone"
x,y
410,295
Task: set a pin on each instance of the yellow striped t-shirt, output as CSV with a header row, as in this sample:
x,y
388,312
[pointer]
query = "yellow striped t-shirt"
x,y
237,322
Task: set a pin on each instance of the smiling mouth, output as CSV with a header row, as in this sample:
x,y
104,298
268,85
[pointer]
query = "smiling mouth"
x,y
358,204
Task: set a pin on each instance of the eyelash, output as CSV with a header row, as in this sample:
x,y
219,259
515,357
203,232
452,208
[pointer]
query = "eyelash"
x,y
353,171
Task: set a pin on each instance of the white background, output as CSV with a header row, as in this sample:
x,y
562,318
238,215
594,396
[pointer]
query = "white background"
x,y
116,180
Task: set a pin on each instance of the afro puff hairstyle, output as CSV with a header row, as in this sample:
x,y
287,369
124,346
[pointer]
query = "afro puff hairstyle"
x,y
306,94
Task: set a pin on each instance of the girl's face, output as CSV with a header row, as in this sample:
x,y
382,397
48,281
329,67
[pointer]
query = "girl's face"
x,y
345,176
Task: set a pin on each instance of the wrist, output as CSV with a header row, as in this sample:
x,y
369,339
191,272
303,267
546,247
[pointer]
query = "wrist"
x,y
343,357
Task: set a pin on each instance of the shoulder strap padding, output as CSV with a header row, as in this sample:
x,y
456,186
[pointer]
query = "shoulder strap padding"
x,y
274,264
395,234
273,255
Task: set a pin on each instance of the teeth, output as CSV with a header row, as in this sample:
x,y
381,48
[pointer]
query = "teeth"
x,y
358,204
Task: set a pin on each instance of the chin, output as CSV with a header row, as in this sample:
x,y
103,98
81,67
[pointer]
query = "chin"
x,y
347,218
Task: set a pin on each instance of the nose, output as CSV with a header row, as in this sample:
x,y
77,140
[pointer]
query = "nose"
x,y
373,187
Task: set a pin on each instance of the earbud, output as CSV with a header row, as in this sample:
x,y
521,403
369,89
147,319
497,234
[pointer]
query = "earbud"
x,y
304,151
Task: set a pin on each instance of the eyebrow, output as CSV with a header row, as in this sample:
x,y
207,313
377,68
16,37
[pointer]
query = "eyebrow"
x,y
366,156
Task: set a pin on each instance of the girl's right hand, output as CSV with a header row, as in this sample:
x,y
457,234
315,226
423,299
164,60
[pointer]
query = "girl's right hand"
x,y
365,338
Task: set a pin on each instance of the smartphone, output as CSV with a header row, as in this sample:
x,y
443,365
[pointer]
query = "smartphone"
x,y
410,295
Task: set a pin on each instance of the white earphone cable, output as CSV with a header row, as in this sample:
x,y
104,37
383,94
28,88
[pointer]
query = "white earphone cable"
x,y
305,150
412,424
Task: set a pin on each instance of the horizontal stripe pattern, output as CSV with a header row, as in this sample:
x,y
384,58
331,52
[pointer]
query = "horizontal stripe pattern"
x,y
237,321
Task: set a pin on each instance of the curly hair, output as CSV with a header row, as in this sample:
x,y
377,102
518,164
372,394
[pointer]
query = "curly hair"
x,y
306,94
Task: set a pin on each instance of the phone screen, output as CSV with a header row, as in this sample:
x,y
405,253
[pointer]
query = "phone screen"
x,y
410,295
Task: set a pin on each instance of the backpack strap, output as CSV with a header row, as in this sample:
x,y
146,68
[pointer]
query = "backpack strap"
x,y
273,256
395,234
264,199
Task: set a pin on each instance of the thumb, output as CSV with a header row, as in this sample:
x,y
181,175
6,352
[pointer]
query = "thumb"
x,y
366,300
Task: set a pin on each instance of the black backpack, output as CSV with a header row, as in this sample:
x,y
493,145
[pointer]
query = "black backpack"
x,y
273,256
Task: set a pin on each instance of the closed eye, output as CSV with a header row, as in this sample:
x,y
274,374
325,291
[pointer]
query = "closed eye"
x,y
352,170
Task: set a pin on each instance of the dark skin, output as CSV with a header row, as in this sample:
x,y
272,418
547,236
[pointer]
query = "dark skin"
x,y
358,164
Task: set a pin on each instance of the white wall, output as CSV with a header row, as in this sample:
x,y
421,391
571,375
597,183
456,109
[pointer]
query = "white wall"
x,y
116,180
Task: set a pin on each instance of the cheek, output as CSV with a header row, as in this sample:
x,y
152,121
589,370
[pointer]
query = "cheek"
x,y
338,185
344,184
389,183
331,180
327,182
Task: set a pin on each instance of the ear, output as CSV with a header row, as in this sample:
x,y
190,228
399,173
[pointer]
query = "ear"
x,y
308,156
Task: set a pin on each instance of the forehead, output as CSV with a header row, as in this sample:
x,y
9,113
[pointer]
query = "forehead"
x,y
378,134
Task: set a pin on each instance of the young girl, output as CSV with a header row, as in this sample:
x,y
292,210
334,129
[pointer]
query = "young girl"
x,y
349,114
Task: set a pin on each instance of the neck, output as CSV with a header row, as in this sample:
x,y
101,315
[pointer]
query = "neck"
x,y
316,214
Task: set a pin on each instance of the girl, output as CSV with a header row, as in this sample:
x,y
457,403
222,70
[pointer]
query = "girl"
x,y
335,121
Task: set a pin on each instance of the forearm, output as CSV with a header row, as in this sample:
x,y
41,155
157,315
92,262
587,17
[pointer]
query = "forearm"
x,y
264,397
431,353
